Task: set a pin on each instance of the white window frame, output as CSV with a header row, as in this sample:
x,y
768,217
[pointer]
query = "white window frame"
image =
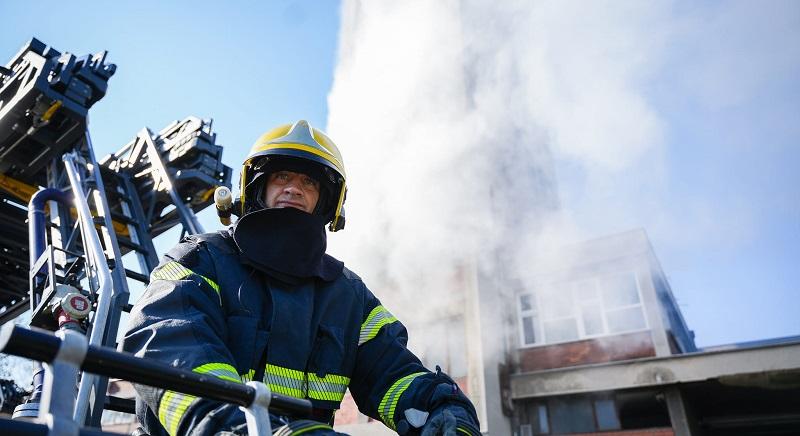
x,y
533,313
538,322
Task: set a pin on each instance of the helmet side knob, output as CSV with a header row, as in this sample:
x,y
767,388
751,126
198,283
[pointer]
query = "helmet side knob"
x,y
223,200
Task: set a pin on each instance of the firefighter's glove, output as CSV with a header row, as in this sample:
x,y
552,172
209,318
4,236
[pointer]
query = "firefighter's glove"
x,y
451,420
454,415
438,408
443,424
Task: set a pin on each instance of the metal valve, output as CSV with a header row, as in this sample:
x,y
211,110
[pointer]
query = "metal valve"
x,y
69,306
76,305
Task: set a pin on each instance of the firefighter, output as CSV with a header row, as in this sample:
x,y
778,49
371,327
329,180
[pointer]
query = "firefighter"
x,y
262,301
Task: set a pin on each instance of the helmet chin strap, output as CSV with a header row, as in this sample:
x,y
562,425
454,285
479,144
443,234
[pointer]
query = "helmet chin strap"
x,y
256,187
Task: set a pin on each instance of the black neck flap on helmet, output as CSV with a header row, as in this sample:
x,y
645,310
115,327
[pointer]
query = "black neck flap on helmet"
x,y
286,244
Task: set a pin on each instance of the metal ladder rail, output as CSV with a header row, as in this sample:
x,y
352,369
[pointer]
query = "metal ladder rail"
x,y
106,290
161,175
132,207
92,398
146,255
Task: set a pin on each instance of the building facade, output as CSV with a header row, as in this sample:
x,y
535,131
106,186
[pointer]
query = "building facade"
x,y
602,347
595,343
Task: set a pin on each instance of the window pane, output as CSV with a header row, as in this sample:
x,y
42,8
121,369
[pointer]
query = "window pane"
x,y
585,290
544,424
556,303
571,415
528,329
621,320
534,419
561,330
606,415
592,320
525,302
619,290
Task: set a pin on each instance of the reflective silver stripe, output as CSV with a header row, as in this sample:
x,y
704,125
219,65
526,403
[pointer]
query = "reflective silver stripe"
x,y
247,377
389,401
219,370
286,381
330,388
175,271
299,384
173,405
171,409
376,319
171,271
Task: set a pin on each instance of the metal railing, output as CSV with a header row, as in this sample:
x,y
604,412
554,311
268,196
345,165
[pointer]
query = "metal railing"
x,y
66,352
97,264
117,206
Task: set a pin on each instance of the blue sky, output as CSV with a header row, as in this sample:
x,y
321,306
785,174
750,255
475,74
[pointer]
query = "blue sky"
x,y
724,217
248,67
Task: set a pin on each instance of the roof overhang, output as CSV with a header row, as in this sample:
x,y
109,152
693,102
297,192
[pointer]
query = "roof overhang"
x,y
771,366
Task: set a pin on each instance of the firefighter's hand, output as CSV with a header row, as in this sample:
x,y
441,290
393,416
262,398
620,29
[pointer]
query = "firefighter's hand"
x,y
443,424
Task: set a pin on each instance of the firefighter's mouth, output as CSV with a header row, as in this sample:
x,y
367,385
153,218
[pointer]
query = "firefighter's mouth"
x,y
285,203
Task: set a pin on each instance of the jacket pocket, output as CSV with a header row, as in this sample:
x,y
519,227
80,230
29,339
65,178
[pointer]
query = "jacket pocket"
x,y
260,355
327,356
245,342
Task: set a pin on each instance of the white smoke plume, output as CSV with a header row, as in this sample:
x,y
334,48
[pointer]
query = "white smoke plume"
x,y
448,114
482,137
486,135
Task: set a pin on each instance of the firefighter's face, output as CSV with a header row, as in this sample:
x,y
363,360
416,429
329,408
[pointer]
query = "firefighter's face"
x,y
290,189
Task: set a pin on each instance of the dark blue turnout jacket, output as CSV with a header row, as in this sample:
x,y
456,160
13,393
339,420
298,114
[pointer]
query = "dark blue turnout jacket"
x,y
206,311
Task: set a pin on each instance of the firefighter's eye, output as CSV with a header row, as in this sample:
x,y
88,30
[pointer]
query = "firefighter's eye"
x,y
311,183
281,176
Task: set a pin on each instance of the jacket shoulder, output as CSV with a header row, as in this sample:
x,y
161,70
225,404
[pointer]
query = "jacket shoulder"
x,y
221,241
354,282
200,249
352,277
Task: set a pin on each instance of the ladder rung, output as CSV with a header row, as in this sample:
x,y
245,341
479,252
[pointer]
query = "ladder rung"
x,y
122,218
127,243
117,404
137,276
119,196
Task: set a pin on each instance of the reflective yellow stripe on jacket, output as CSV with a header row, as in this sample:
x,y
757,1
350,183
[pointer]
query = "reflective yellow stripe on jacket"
x,y
392,396
376,319
299,384
173,405
175,271
329,388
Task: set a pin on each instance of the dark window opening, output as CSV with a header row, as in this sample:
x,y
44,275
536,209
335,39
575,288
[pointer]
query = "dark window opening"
x,y
642,410
568,414
533,418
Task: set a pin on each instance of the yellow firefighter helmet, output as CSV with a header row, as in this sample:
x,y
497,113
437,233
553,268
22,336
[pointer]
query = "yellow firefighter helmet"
x,y
301,148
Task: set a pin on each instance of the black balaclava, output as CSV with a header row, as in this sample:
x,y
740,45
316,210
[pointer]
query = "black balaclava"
x,y
286,243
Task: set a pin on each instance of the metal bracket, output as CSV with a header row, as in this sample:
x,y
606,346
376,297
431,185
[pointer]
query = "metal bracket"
x,y
60,382
257,414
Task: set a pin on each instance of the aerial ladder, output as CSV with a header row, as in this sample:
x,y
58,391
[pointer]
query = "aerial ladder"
x,y
83,215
